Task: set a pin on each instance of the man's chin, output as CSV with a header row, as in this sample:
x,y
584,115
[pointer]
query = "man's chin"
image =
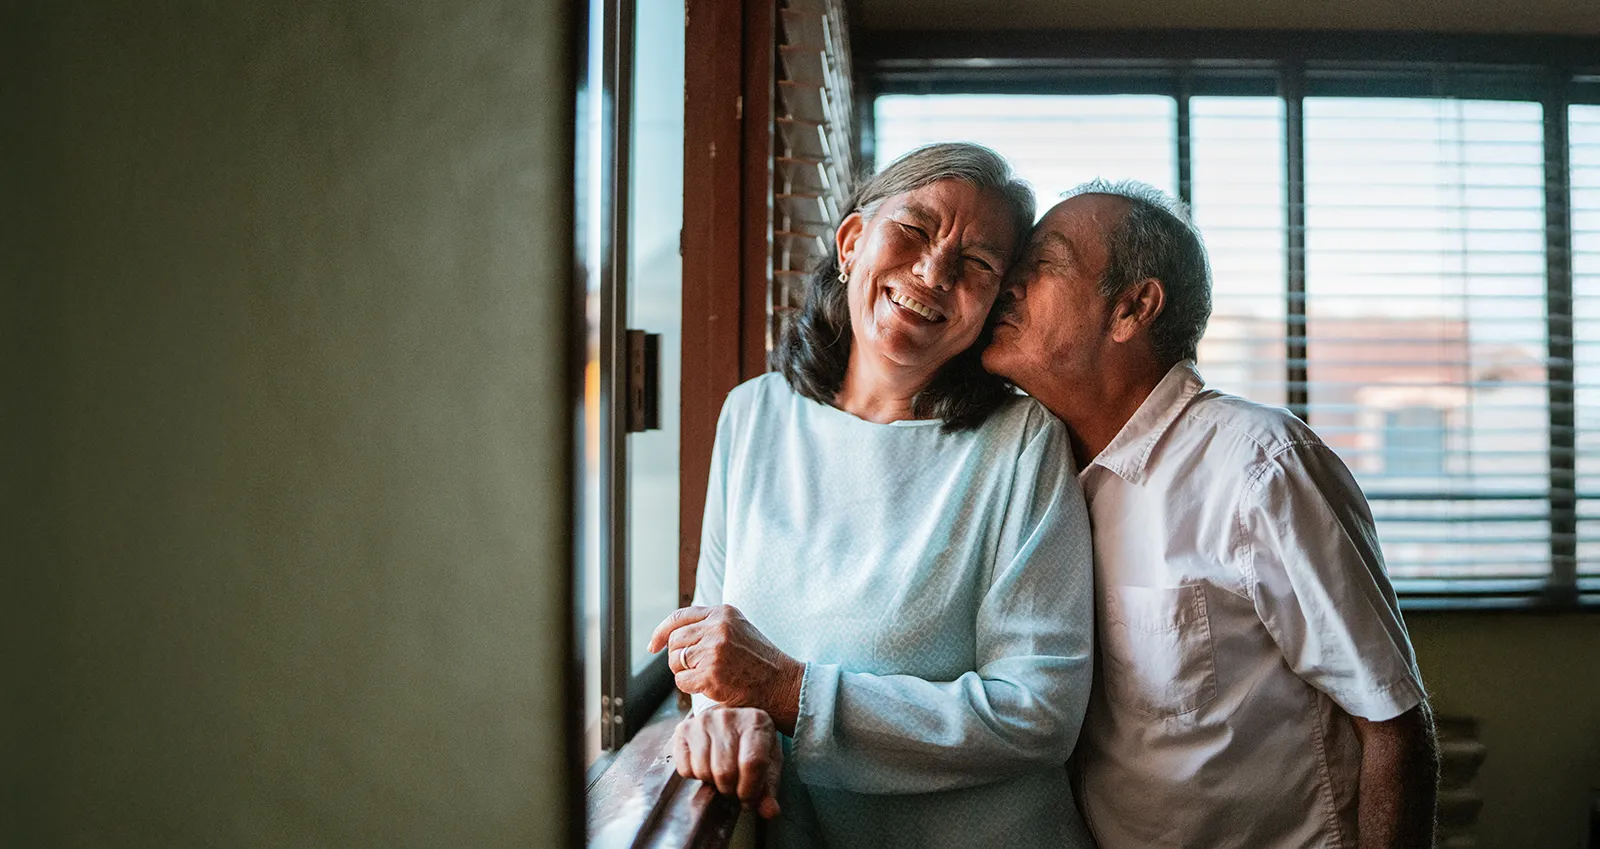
x,y
997,359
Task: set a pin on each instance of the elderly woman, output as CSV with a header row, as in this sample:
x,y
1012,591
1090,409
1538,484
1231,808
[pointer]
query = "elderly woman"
x,y
894,568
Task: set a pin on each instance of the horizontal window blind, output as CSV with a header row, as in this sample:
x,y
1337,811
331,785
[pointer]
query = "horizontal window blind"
x,y
812,154
1238,191
1425,327
1054,141
1429,346
1583,123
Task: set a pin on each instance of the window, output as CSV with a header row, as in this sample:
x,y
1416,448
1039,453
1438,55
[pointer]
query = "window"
x,y
1413,441
1381,247
630,211
1583,122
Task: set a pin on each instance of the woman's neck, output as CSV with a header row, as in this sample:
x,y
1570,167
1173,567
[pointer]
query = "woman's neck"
x,y
877,390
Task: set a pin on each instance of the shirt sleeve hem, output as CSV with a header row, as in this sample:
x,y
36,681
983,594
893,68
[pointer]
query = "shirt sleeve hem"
x,y
1382,704
818,690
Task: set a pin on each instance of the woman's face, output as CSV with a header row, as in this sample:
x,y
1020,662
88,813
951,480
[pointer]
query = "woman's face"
x,y
924,271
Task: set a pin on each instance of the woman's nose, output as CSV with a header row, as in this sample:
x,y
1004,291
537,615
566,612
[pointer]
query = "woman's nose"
x,y
938,269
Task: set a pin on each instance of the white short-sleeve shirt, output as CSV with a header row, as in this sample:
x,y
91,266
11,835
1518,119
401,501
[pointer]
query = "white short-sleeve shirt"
x,y
1242,610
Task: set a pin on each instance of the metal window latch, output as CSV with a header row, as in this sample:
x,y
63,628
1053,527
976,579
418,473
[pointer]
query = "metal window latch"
x,y
644,381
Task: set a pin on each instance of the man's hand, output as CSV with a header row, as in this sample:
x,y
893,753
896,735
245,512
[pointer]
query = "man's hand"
x,y
716,652
1399,784
735,749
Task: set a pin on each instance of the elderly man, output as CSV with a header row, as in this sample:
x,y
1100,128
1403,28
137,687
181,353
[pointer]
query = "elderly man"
x,y
1255,687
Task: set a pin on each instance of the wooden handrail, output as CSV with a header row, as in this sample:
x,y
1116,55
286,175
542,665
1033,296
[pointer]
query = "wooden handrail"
x,y
641,801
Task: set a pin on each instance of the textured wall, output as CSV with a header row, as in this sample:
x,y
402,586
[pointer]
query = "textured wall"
x,y
301,444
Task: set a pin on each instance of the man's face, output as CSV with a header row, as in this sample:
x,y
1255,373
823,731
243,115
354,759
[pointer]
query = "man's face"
x,y
1051,334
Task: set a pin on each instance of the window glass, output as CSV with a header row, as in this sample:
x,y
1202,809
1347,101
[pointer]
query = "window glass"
x,y
655,305
588,206
1238,174
1584,129
1054,142
1425,287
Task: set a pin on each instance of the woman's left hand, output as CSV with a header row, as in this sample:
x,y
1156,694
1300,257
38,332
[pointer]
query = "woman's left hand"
x,y
716,652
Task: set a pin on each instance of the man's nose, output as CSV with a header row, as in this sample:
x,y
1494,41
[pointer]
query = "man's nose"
x,y
1016,287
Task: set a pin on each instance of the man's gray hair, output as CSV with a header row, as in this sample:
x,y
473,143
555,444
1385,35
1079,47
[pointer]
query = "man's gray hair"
x,y
1157,238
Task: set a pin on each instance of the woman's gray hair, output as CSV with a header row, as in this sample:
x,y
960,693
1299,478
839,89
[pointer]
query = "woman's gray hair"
x,y
814,349
1157,238
969,163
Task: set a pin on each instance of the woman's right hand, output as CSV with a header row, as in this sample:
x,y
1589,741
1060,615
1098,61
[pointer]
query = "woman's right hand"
x,y
736,750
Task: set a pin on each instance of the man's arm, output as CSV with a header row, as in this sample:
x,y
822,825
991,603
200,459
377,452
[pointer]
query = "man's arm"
x,y
1399,783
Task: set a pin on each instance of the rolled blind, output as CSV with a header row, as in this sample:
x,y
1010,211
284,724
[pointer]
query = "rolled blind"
x,y
1426,333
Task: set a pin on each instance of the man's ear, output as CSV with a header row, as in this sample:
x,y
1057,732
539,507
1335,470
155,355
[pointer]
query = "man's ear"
x,y
1136,308
846,237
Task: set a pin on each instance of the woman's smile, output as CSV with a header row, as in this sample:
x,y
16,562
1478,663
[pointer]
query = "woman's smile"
x,y
919,309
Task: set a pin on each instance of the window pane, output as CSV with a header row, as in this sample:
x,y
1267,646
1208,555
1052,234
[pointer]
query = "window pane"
x,y
1426,325
1054,141
1584,128
1237,151
587,202
655,305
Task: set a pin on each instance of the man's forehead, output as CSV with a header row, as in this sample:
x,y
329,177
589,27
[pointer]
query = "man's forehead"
x,y
1077,217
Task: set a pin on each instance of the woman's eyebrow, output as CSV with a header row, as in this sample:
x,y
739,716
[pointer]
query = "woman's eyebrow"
x,y
988,248
925,216
916,210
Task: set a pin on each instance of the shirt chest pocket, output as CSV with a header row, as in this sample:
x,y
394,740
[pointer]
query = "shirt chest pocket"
x,y
1155,649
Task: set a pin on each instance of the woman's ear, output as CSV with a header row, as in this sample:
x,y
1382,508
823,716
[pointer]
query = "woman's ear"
x,y
846,237
1137,308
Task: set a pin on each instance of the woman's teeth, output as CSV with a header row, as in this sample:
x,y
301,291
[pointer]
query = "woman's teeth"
x,y
916,306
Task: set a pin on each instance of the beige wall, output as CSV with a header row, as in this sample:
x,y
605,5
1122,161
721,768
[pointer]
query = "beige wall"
x,y
1533,683
293,438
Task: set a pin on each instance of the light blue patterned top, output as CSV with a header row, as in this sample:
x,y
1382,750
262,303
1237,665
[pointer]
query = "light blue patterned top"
x,y
938,587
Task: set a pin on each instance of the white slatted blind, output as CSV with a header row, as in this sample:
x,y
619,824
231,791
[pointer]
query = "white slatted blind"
x,y
1238,188
812,144
1054,141
1425,316
1426,333
1584,131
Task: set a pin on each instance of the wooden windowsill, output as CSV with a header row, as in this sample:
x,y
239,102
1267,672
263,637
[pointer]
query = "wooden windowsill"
x,y
640,800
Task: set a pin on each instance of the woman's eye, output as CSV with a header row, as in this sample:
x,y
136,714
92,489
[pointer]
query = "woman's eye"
x,y
979,261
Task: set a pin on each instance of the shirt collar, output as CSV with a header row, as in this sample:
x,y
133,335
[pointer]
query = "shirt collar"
x,y
1128,455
